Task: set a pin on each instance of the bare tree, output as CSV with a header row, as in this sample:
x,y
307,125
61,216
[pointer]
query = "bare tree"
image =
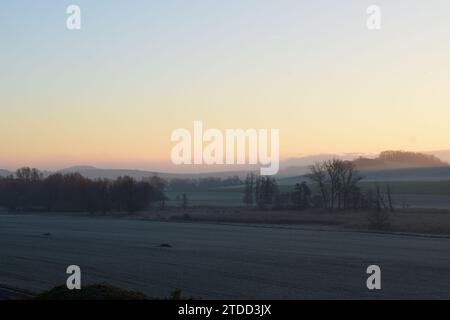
x,y
337,181
389,195
318,175
248,190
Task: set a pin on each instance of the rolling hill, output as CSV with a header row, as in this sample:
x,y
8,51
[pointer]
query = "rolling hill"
x,y
4,173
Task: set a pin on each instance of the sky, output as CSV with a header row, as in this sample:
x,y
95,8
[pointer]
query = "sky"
x,y
110,94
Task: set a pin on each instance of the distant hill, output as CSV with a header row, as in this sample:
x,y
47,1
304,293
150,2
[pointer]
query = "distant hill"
x,y
441,154
292,167
400,174
96,173
299,166
399,159
385,160
5,173
408,174
309,160
288,167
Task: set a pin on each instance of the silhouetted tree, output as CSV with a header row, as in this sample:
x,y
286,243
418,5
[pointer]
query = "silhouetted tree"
x,y
28,190
301,196
248,190
337,181
265,191
318,175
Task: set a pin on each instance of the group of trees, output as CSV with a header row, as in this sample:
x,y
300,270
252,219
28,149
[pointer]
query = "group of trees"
x,y
29,190
263,192
259,191
411,158
334,186
337,182
300,198
394,159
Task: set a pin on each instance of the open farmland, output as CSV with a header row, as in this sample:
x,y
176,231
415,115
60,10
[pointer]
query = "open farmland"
x,y
220,261
410,194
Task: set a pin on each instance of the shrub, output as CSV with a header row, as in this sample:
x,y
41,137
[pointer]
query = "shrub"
x,y
91,292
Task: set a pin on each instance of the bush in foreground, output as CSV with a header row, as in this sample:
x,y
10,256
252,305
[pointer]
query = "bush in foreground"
x,y
98,292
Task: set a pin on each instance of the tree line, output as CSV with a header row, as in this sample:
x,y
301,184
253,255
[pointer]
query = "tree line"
x,y
28,190
399,159
333,185
411,158
264,193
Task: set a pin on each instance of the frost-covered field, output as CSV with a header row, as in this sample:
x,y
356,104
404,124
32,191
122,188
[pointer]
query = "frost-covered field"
x,y
219,261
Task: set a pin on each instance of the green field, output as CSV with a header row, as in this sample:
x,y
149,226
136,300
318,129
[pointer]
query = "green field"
x,y
216,197
232,196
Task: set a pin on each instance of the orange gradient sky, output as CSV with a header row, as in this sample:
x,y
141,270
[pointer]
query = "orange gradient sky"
x,y
111,94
